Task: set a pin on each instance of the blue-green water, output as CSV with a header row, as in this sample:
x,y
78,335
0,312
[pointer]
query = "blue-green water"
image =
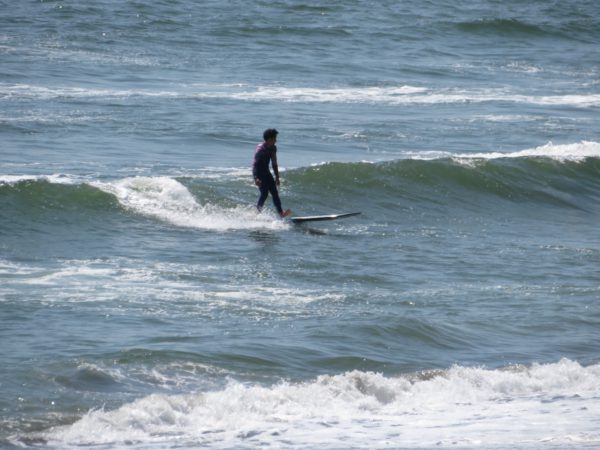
x,y
145,304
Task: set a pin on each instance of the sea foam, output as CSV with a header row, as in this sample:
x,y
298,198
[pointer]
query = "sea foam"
x,y
469,407
560,152
169,200
385,95
575,152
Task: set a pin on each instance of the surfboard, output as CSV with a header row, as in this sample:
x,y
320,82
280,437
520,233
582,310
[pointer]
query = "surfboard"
x,y
297,219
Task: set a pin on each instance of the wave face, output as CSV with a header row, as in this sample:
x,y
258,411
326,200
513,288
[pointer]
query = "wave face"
x,y
44,199
549,177
563,176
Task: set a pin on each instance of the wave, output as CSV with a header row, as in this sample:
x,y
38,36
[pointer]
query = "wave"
x,y
578,28
557,176
385,95
460,406
52,192
169,200
163,198
511,27
578,152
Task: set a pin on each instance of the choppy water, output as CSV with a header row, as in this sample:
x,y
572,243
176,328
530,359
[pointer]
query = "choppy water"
x,y
145,304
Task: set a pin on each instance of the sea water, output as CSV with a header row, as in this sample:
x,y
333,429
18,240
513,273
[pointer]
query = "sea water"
x,y
145,304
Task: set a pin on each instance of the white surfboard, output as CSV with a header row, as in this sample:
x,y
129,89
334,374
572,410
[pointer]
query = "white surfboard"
x,y
325,217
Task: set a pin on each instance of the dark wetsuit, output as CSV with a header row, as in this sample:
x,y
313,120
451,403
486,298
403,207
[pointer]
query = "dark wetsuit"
x,y
263,157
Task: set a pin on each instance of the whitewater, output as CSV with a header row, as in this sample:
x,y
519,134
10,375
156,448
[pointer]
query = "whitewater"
x,y
548,404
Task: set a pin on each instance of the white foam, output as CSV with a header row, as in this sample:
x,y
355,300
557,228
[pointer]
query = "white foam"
x,y
60,52
396,95
54,179
71,275
503,118
166,376
389,95
343,95
13,269
467,407
219,173
50,93
579,100
576,152
563,152
169,200
403,95
48,118
14,179
522,66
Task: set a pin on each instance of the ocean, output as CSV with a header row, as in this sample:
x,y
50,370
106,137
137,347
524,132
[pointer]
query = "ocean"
x,y
145,304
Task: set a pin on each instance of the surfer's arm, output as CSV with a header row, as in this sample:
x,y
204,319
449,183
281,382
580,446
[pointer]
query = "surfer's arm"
x,y
275,167
257,180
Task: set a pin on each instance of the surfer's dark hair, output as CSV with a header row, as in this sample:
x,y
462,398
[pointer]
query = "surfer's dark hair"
x,y
270,133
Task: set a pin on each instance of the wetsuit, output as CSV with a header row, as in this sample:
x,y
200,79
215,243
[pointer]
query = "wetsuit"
x,y
264,156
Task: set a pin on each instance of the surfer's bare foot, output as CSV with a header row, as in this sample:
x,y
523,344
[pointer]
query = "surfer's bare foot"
x,y
286,213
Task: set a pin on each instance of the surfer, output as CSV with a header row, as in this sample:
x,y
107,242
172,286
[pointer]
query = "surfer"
x,y
266,153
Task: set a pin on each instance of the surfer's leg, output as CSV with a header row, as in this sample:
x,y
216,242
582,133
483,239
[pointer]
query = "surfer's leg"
x,y
275,195
264,193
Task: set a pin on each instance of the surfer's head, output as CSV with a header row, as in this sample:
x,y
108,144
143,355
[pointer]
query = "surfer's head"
x,y
270,133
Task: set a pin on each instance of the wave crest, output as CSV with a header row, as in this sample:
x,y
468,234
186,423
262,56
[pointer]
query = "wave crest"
x,y
488,407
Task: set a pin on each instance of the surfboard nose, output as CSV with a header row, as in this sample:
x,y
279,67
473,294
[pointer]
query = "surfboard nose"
x,y
323,217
